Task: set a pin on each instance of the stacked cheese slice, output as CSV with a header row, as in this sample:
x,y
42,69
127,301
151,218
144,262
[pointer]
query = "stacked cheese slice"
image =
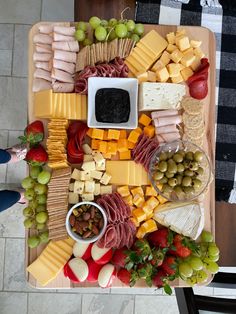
x,y
51,261
126,173
60,105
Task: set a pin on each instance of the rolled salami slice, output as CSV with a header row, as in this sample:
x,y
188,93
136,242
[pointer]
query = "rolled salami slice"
x,y
158,122
164,113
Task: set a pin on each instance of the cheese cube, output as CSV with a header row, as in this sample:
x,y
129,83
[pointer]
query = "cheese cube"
x,y
142,76
140,233
139,214
196,63
133,136
122,145
149,130
88,158
105,178
195,43
112,148
151,203
123,190
85,175
129,200
170,48
98,157
106,189
180,31
75,174
125,155
177,79
186,73
187,51
161,199
105,135
113,134
96,174
88,165
171,38
87,149
138,200
131,145
95,144
71,187
158,65
79,187
102,146
149,225
188,59
144,119
150,191
73,198
137,190
151,76
198,52
162,75
97,189
135,221
107,155
89,186
182,42
97,134
101,167
90,132
123,134
165,57
138,130
149,216
173,69
87,197
176,55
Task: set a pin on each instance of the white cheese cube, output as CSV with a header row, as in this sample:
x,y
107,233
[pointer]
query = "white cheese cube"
x,y
71,187
79,187
85,175
106,189
105,178
98,157
88,165
87,149
73,198
75,174
87,197
195,43
89,186
101,166
97,189
96,174
88,158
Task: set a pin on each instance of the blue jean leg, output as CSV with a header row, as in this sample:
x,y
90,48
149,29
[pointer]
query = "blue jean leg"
x,y
4,156
8,198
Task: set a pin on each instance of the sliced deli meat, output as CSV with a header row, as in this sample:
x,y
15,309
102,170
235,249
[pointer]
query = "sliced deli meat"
x,y
67,56
42,39
66,45
46,28
43,48
166,129
44,65
60,87
65,66
40,73
162,121
37,56
168,137
64,30
41,84
62,76
164,113
60,37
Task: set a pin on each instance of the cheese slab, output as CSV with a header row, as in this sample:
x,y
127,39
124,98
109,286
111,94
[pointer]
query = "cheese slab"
x,y
157,96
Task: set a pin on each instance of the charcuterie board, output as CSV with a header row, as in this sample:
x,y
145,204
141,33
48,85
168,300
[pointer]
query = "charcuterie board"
x,y
208,46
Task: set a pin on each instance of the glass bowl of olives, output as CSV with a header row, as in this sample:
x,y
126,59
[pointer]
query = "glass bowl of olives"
x,y
180,171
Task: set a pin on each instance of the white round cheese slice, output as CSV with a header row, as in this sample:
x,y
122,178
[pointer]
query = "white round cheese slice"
x,y
80,248
105,275
80,268
97,252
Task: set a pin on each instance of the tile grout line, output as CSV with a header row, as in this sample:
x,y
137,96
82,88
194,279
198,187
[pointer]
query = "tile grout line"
x,y
27,309
13,48
7,163
4,260
134,308
81,303
13,76
41,10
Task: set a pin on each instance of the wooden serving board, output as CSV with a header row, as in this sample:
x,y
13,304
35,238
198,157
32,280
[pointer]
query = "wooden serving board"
x,y
208,47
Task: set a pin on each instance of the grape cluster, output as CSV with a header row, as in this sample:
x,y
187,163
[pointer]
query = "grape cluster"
x,y
35,213
196,268
104,30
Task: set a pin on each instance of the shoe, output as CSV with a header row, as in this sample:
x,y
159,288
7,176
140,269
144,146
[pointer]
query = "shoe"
x,y
18,152
22,199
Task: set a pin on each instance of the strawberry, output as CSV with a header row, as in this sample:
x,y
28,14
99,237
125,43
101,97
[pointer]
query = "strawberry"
x,y
157,280
119,257
169,265
124,275
33,133
158,257
161,238
36,156
181,248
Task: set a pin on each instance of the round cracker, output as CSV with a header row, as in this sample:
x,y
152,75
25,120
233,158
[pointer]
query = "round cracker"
x,y
192,121
195,133
198,141
191,105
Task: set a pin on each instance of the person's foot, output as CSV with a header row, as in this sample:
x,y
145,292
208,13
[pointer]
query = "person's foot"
x,y
17,152
22,199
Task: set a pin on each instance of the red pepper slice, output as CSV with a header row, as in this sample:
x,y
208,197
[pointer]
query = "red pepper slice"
x,y
198,89
76,133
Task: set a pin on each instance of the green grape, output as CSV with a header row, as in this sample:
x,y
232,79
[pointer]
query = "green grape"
x,y
81,25
41,199
206,236
35,171
40,208
33,204
33,241
44,237
104,23
40,188
213,250
185,270
87,42
44,177
212,267
94,21
112,35
214,258
130,25
27,211
201,276
135,37
41,217
191,281
40,226
195,263
100,33
28,223
29,194
203,248
79,35
121,30
27,183
112,22
139,29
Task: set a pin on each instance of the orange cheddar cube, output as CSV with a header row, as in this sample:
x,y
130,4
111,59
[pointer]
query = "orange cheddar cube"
x,y
107,155
149,225
150,191
161,199
133,136
137,190
138,200
138,130
139,214
95,144
135,221
149,216
89,132
151,203
105,134
125,155
112,148
122,145
123,134
140,233
113,134
123,190
149,130
144,119
98,134
131,145
129,200
102,147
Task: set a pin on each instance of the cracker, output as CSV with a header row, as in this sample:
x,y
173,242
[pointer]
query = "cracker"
x,y
195,133
105,51
192,121
192,106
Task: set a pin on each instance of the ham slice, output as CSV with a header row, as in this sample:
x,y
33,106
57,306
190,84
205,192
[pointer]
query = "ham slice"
x,y
43,48
65,66
40,73
158,122
163,113
60,37
168,137
66,45
46,28
64,30
42,39
44,65
37,56
40,84
62,76
166,129
67,56
59,87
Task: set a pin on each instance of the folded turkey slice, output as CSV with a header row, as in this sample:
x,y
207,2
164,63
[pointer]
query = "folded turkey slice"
x,y
186,218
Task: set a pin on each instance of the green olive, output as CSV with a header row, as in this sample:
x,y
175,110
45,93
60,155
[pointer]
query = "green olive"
x,y
172,167
188,189
166,188
169,174
187,181
199,171
163,180
180,168
198,156
158,175
189,156
193,165
181,152
178,190
163,156
172,182
162,166
178,157
186,164
188,173
179,179
170,154
196,183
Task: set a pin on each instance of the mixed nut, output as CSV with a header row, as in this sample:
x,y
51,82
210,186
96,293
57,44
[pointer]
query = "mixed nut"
x,y
86,220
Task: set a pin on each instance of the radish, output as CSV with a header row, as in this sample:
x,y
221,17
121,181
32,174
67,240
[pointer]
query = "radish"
x,y
101,256
94,270
76,270
82,250
106,275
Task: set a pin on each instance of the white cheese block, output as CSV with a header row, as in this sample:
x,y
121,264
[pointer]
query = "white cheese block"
x,y
85,175
89,186
71,187
87,197
157,96
183,218
96,174
106,189
88,158
97,189
75,174
88,165
73,198
79,187
105,178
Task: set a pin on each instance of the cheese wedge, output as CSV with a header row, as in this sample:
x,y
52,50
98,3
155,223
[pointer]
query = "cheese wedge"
x,y
184,218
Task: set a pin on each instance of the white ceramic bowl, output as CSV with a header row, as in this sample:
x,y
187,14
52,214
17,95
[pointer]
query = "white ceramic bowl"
x,y
128,84
74,235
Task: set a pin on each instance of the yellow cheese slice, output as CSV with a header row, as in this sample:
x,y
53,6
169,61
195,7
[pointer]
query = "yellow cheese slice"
x,y
84,107
43,104
155,42
49,264
145,50
41,272
50,253
142,54
64,246
68,107
78,109
49,256
57,250
54,103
